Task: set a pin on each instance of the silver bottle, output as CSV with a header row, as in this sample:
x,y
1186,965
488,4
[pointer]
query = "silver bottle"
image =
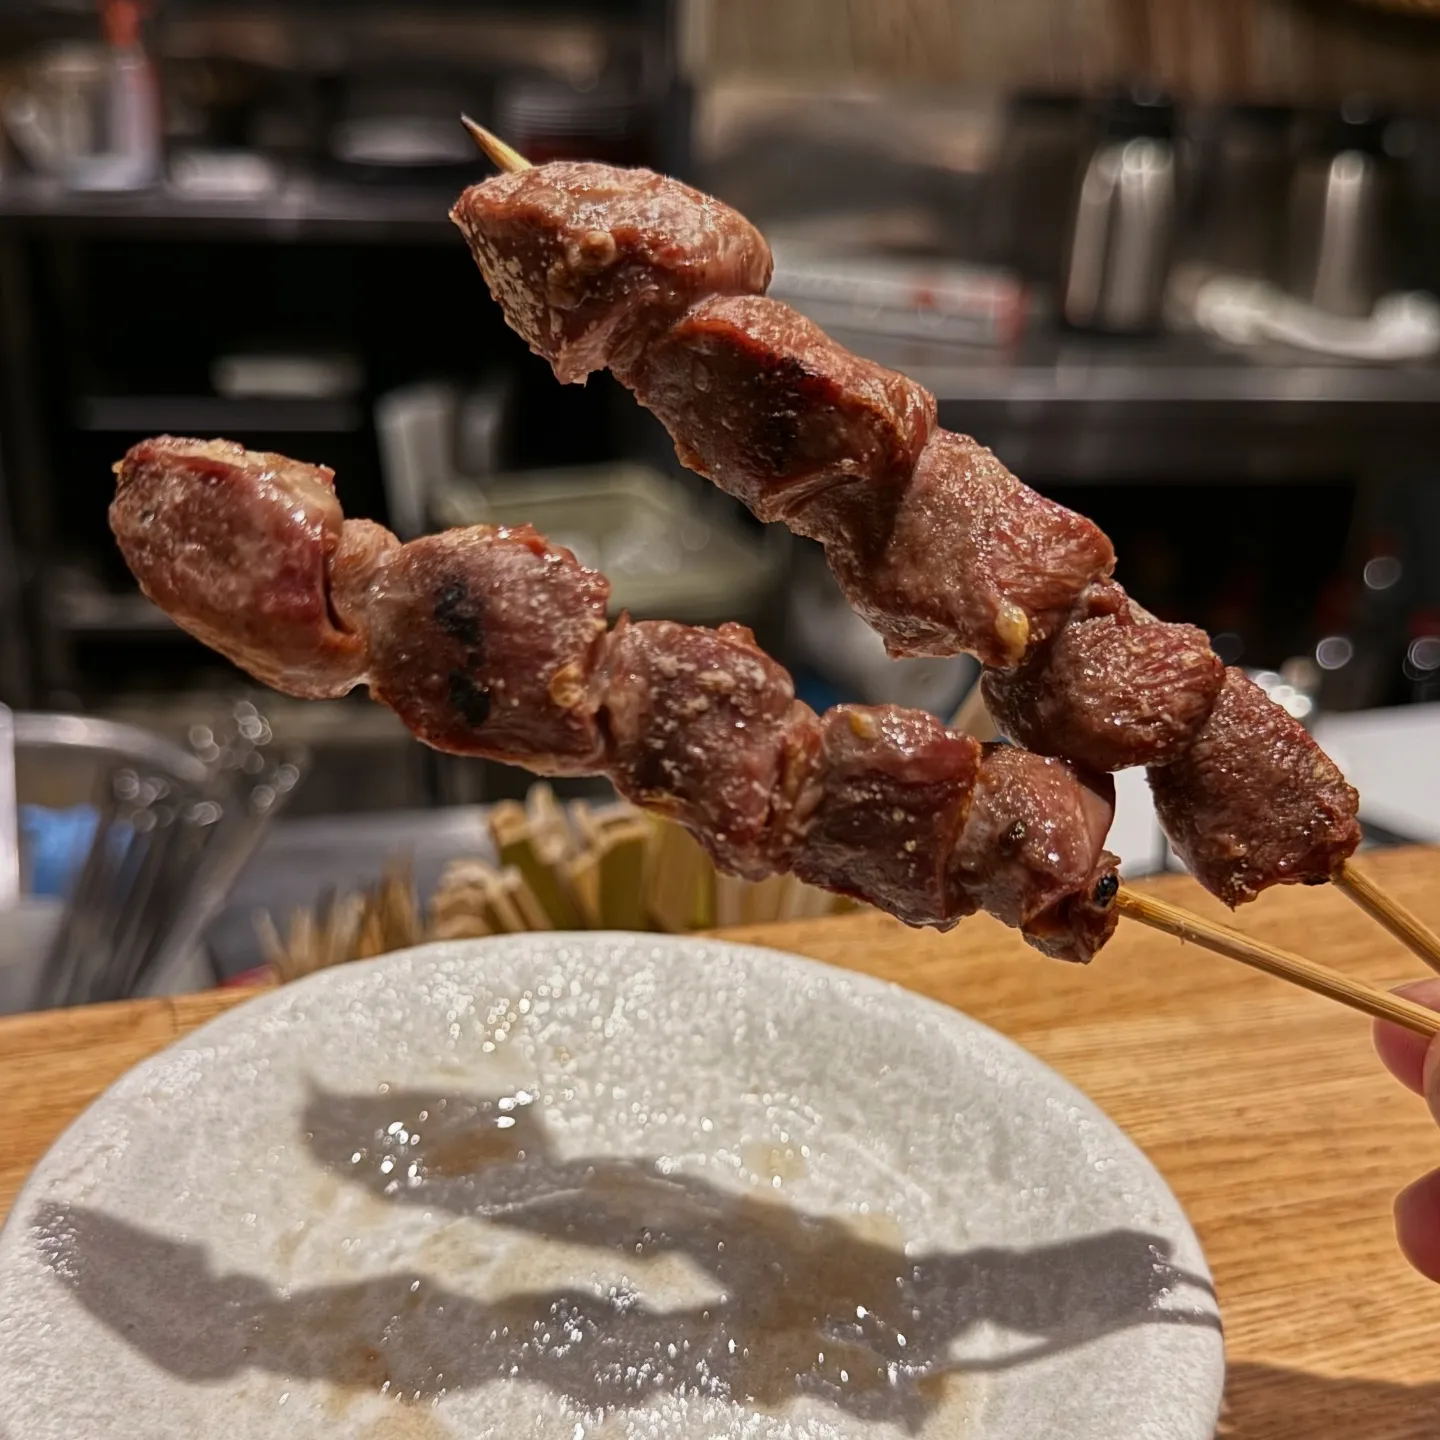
x,y
1124,226
1338,202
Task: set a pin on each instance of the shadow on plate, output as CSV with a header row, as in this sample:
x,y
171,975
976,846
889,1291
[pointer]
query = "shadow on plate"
x,y
782,1304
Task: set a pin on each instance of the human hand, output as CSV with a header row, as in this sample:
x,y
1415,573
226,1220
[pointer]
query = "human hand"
x,y
1416,1064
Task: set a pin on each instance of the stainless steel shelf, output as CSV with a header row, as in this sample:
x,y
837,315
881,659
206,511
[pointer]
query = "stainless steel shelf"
x,y
1050,369
1067,408
204,414
304,207
84,612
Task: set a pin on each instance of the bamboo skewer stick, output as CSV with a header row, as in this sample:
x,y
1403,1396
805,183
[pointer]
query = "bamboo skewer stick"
x,y
499,153
1172,919
1321,979
1403,924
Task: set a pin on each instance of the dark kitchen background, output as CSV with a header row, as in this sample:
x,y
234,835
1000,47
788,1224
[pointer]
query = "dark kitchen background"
x,y
1173,260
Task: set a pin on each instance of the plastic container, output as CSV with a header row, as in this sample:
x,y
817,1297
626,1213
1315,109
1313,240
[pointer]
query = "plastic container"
x,y
663,557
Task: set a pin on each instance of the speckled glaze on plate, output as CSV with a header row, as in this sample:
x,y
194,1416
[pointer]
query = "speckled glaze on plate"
x,y
600,1186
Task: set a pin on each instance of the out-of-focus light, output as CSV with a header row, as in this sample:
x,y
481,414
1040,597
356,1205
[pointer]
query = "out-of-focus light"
x,y
1301,672
1382,572
1399,139
1334,652
1425,652
1287,696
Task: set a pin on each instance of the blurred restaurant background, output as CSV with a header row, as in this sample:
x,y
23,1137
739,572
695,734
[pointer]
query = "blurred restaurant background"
x,y
1175,261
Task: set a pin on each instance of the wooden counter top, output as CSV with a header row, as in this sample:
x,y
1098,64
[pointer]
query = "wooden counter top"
x,y
1263,1106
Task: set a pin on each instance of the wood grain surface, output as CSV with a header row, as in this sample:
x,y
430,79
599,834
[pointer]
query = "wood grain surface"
x,y
1263,1106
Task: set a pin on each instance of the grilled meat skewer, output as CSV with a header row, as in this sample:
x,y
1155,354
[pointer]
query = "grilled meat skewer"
x,y
489,641
933,541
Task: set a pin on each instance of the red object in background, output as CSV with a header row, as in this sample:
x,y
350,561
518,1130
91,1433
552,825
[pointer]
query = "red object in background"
x,y
551,120
540,150
1424,624
261,975
121,21
1236,604
1335,606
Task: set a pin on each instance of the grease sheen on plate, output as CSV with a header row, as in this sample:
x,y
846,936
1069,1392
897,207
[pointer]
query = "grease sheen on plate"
x,y
600,1186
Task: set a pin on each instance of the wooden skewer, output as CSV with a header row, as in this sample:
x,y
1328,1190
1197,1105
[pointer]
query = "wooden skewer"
x,y
1403,924
499,153
973,716
1174,920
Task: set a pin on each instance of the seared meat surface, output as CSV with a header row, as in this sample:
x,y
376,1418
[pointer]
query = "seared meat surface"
x,y
492,642
588,260
933,541
1255,802
1148,686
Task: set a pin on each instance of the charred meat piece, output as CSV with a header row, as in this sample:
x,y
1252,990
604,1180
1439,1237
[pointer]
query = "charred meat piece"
x,y
763,402
483,641
1113,689
233,545
588,260
881,807
1032,851
965,558
1255,802
696,722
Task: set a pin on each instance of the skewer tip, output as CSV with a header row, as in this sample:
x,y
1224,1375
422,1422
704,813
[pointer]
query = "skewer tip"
x,y
496,150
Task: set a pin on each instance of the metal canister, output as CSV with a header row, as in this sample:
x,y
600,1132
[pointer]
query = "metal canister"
x,y
1338,203
1120,244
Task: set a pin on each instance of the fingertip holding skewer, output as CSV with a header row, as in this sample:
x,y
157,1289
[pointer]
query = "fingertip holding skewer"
x,y
1320,979
1403,924
496,150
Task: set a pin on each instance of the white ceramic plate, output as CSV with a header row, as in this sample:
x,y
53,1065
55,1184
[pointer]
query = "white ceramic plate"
x,y
600,1186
